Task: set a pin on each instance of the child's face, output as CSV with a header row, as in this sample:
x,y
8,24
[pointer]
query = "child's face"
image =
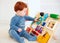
x,y
22,13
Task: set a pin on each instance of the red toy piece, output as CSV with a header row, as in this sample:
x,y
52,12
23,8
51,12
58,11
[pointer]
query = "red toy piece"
x,y
28,29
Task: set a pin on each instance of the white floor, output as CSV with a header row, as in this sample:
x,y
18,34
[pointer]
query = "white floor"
x,y
4,36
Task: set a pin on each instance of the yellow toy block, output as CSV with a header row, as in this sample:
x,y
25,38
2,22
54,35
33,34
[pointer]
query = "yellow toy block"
x,y
44,38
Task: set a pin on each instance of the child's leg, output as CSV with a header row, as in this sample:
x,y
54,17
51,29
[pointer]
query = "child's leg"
x,y
28,36
20,33
15,35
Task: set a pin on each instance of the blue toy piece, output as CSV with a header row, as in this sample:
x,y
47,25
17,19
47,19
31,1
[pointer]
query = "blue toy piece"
x,y
40,21
43,24
45,16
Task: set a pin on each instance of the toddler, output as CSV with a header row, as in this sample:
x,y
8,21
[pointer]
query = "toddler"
x,y
17,23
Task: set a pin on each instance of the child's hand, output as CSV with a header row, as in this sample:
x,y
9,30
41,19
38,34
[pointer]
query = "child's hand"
x,y
36,19
19,30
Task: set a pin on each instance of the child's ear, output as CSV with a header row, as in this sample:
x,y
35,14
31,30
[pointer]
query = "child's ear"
x,y
27,11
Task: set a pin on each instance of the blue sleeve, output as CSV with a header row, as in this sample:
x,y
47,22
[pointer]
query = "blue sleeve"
x,y
29,18
13,24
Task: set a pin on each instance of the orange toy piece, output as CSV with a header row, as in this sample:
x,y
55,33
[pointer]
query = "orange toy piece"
x,y
44,38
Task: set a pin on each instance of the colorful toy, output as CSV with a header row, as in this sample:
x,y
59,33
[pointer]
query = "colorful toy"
x,y
40,21
28,29
55,16
35,33
51,24
42,14
44,38
39,29
45,16
34,26
43,24
40,18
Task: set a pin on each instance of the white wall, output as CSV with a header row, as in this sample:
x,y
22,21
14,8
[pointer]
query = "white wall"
x,y
35,6
7,10
50,6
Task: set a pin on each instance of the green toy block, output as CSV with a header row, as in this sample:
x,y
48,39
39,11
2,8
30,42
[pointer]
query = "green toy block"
x,y
55,16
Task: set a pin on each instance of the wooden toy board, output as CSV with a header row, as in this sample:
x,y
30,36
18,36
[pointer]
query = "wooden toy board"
x,y
49,29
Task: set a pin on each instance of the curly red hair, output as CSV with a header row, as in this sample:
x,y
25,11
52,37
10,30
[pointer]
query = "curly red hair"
x,y
20,6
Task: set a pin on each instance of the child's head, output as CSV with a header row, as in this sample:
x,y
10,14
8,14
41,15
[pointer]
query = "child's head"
x,y
20,8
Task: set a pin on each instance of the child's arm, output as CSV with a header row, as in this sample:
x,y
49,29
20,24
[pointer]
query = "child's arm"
x,y
13,24
29,18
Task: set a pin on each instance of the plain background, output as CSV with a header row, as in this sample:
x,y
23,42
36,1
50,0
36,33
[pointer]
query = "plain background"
x,y
35,6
